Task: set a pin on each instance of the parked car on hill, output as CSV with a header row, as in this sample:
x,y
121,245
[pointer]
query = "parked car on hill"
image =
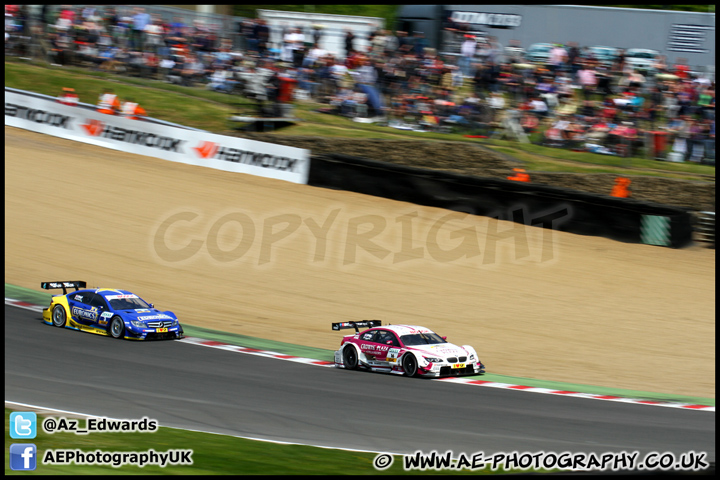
x,y
538,52
642,59
405,350
604,55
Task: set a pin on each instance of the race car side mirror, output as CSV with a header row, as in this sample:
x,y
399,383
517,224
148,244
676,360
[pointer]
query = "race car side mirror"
x,y
444,338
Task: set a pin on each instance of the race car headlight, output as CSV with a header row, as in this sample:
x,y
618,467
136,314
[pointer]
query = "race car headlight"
x,y
175,323
433,359
137,323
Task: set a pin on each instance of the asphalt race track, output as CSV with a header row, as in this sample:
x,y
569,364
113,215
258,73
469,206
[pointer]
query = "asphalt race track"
x,y
188,386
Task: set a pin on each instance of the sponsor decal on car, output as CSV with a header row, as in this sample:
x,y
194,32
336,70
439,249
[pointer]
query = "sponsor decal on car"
x,y
161,316
83,313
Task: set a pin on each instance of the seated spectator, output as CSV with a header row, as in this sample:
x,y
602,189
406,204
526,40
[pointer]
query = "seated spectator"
x,y
221,80
556,135
567,106
166,66
598,131
108,61
307,84
343,97
313,55
575,133
193,71
622,138
496,101
538,107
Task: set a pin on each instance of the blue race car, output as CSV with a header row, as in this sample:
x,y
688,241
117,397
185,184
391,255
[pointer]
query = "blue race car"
x,y
105,311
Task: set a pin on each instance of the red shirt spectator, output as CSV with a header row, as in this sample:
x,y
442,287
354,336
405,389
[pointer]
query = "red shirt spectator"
x,y
682,70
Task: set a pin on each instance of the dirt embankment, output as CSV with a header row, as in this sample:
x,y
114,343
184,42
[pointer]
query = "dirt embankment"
x,y
477,161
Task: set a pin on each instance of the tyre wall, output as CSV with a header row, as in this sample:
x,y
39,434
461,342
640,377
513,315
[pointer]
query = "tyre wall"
x,y
544,206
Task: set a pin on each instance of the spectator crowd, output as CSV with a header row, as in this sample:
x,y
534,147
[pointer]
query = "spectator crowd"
x,y
574,100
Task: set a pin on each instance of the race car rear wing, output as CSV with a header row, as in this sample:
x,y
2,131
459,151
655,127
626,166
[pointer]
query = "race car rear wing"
x,y
355,325
77,285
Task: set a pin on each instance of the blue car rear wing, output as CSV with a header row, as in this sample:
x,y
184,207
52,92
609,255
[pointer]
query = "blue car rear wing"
x,y
77,285
355,325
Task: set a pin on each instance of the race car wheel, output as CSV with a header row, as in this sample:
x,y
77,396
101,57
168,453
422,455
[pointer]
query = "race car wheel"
x,y
350,358
410,365
117,327
59,317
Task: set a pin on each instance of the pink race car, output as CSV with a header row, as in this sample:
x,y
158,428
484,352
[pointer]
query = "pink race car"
x,y
404,349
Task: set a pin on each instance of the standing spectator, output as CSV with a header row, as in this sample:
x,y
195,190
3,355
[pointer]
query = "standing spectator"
x,y
467,55
587,79
317,33
349,42
419,43
262,33
680,129
139,21
706,103
294,43
366,77
495,50
699,132
249,33
392,44
405,43
378,43
574,59
154,34
710,142
558,58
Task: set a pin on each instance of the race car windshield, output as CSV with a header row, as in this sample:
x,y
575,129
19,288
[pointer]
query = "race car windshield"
x,y
128,303
422,339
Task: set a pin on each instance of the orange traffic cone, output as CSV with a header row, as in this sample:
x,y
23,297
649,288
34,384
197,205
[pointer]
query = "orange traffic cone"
x,y
621,188
520,175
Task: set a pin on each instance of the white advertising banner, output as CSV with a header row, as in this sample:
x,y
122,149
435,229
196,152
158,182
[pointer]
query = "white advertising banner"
x,y
167,142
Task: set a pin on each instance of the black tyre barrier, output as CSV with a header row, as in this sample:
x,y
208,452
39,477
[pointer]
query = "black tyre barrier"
x,y
563,209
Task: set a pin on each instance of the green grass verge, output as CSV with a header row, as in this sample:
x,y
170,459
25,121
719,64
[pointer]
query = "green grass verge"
x,y
200,108
212,454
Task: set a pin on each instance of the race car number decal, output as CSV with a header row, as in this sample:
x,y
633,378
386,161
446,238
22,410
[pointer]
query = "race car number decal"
x,y
393,354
